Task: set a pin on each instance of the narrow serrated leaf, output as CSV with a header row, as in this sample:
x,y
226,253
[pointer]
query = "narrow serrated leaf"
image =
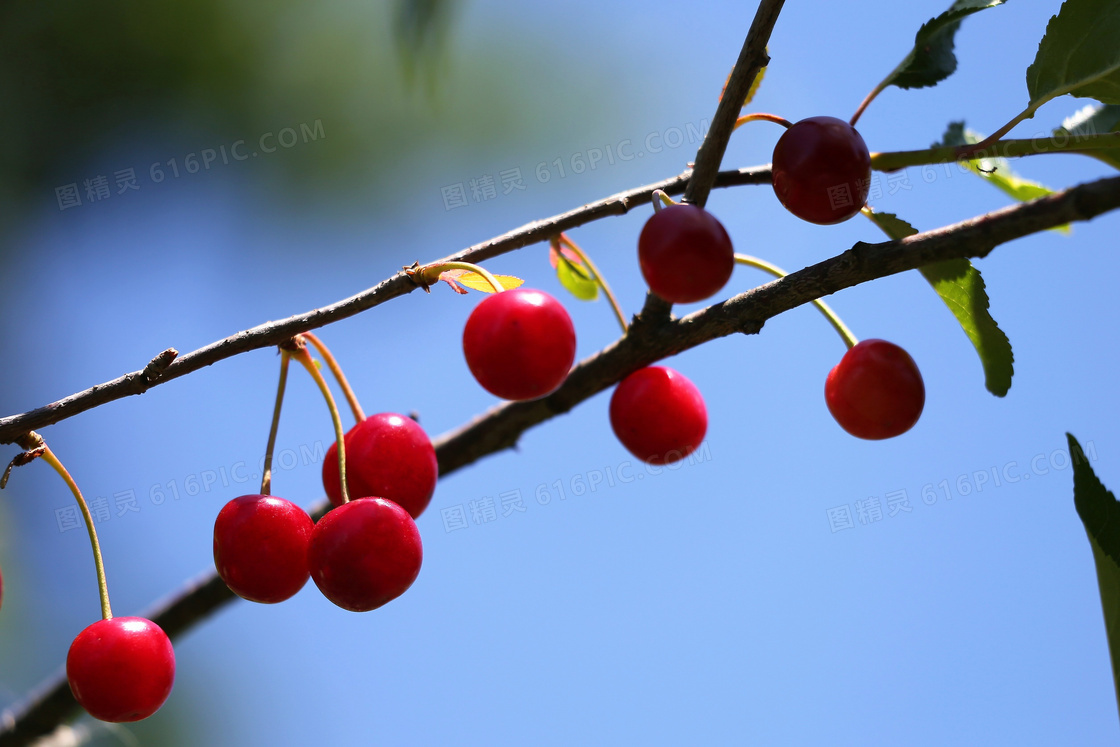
x,y
891,224
474,281
577,279
932,60
1079,54
1100,513
1094,119
962,289
996,171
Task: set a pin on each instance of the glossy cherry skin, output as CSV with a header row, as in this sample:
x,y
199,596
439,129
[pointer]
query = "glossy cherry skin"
x,y
685,254
822,170
121,669
365,553
519,344
875,391
260,547
658,415
388,456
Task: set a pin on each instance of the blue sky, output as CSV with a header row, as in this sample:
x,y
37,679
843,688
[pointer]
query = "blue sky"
x,y
710,604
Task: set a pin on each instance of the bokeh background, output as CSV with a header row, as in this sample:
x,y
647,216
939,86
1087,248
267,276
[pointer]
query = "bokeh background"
x,y
713,603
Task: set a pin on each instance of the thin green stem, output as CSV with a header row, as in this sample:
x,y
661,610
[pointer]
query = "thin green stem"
x,y
98,562
995,136
430,273
762,117
833,319
301,354
332,364
1005,149
266,478
598,277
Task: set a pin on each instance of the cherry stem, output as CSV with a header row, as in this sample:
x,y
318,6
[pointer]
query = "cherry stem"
x,y
332,364
300,354
659,196
845,334
761,117
595,275
868,99
430,273
266,479
102,585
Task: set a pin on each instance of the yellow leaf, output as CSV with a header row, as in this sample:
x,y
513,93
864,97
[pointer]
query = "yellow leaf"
x,y
476,282
754,85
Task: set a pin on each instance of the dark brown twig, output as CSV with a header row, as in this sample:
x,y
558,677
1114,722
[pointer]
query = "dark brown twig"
x,y
752,58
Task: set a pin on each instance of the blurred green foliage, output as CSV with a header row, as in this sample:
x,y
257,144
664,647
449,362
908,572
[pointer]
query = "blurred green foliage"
x,y
168,79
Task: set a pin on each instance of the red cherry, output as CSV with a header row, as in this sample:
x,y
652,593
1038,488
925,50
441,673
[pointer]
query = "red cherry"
x,y
519,344
875,391
822,170
388,456
121,669
365,553
658,415
685,254
260,547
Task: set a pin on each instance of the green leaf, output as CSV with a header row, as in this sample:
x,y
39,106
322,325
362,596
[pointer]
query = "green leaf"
x,y
1100,513
932,60
1079,55
1094,119
996,171
891,225
577,279
961,287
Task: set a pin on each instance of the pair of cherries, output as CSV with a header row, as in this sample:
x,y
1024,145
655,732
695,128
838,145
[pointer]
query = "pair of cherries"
x,y
520,344
363,553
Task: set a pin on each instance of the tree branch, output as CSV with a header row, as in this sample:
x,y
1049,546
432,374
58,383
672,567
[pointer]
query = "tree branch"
x,y
501,426
166,367
752,58
1083,144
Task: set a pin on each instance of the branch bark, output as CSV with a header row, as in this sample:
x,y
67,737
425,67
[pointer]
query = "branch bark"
x,y
501,427
752,58
165,366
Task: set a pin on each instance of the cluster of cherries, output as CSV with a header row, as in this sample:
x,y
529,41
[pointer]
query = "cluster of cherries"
x,y
365,552
520,345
